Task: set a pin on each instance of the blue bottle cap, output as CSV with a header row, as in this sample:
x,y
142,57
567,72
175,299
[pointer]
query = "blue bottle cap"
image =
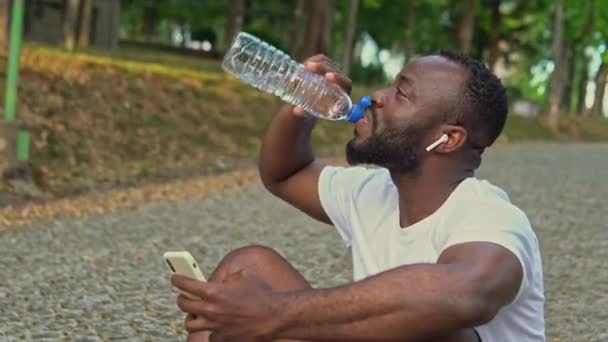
x,y
358,109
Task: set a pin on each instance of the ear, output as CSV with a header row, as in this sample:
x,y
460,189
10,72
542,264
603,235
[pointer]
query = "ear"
x,y
456,137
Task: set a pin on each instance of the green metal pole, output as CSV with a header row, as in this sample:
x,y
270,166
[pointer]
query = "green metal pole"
x,y
23,145
10,100
12,78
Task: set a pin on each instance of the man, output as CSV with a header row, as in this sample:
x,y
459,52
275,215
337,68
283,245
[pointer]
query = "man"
x,y
438,255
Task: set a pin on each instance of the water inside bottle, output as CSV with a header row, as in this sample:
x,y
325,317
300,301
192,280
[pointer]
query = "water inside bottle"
x,y
268,69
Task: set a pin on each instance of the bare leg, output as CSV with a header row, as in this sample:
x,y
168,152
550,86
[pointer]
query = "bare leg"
x,y
266,263
281,276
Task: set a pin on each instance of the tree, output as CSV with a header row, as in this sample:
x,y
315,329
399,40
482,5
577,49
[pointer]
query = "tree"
x,y
318,28
582,86
313,27
494,40
84,22
578,30
572,58
557,77
350,35
408,42
234,20
4,15
296,25
466,22
70,17
151,18
600,87
327,29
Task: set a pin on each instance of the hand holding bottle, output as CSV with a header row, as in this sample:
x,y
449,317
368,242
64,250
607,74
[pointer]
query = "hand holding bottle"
x,y
326,67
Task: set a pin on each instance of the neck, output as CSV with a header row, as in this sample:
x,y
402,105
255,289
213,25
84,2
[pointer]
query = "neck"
x,y
422,192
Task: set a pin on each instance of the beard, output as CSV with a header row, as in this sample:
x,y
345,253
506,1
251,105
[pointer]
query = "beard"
x,y
398,150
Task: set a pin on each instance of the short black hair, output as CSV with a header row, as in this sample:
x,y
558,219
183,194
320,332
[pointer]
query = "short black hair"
x,y
483,106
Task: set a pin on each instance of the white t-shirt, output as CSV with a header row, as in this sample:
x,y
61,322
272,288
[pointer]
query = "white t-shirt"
x,y
363,206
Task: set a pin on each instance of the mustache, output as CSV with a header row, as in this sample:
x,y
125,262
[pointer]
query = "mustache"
x,y
373,115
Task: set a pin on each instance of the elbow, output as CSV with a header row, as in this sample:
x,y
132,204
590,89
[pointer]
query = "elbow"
x,y
477,312
479,306
270,183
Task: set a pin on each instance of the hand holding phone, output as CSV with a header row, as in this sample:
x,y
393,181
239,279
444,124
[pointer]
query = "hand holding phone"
x,y
183,263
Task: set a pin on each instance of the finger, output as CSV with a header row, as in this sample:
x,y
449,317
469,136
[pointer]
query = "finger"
x,y
218,336
192,306
200,323
200,336
199,307
321,58
299,112
341,80
198,288
321,67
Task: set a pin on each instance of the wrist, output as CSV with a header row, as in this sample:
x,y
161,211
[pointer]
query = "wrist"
x,y
285,309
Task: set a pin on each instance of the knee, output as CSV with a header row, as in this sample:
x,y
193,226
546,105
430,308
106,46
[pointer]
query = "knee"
x,y
251,257
251,254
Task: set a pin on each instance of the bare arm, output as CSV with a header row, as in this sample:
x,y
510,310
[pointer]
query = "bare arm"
x,y
466,288
288,167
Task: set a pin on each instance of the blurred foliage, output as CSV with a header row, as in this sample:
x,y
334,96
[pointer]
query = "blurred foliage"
x,y
523,31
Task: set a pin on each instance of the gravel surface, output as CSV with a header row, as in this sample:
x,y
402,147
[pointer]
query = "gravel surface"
x,y
101,277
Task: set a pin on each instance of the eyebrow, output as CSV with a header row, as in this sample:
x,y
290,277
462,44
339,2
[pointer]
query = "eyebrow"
x,y
408,81
404,78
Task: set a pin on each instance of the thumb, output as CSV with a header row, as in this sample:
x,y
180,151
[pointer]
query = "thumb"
x,y
298,111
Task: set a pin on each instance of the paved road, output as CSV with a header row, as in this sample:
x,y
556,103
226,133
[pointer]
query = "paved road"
x,y
102,277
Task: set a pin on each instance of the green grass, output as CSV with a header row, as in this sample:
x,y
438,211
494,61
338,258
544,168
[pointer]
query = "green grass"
x,y
160,58
177,67
518,128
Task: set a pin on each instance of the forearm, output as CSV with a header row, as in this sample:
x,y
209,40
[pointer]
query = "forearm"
x,y
409,302
286,147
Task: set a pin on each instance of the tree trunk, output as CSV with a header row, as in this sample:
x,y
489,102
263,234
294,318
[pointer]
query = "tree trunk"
x,y
4,29
493,51
326,32
313,28
465,25
351,24
70,19
557,77
570,78
408,42
234,20
151,17
600,90
84,23
294,34
581,107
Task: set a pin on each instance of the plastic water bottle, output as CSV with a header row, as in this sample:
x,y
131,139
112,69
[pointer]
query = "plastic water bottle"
x,y
263,66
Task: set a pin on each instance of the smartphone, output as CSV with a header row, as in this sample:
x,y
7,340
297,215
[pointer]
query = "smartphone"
x,y
183,263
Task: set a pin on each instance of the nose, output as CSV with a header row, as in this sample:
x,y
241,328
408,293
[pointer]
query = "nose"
x,y
378,99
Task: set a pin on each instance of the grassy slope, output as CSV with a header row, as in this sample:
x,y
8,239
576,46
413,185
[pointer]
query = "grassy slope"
x,y
99,116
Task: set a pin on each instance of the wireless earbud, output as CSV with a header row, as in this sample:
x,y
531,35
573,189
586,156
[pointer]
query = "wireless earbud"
x,y
444,138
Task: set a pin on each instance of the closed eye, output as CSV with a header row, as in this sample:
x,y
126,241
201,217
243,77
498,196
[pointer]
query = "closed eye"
x,y
401,92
